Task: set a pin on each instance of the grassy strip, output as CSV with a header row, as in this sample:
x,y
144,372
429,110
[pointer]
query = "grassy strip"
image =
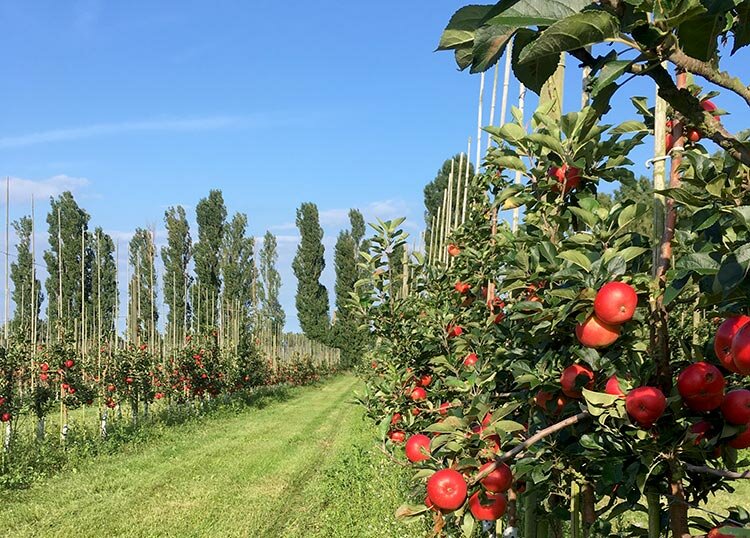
x,y
303,466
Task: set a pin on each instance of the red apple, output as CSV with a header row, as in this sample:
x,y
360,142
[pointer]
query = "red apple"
x,y
490,510
44,367
615,303
700,430
499,480
742,440
740,350
568,178
453,250
701,386
447,489
425,380
129,380
613,387
44,377
5,417
70,363
415,411
470,360
444,408
418,393
573,378
462,287
645,405
543,397
709,106
723,340
694,135
397,436
596,334
736,407
418,448
454,331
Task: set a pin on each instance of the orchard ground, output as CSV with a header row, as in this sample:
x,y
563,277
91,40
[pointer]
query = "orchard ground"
x,y
306,465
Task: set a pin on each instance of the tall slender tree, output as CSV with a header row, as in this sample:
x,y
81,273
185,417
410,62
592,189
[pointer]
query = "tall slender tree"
x,y
357,222
211,214
21,274
433,191
143,313
239,272
271,284
176,257
67,228
104,288
312,297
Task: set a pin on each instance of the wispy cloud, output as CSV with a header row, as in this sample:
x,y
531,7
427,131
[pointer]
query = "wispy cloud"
x,y
21,190
104,129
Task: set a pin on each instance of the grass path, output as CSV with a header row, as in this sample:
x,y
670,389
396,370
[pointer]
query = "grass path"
x,y
300,467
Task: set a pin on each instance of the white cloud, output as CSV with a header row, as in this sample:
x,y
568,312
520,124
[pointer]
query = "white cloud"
x,y
101,129
21,190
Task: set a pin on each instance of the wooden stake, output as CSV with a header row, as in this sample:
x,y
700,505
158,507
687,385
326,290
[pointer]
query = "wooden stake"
x,y
492,105
466,183
459,178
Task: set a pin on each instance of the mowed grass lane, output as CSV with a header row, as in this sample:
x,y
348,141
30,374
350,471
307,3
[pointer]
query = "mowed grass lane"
x,y
301,467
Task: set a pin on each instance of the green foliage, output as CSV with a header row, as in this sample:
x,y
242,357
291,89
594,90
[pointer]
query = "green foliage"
x,y
176,257
312,297
104,293
22,272
143,310
239,274
68,237
211,214
270,285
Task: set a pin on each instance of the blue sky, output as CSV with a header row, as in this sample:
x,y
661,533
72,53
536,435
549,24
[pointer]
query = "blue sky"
x,y
140,105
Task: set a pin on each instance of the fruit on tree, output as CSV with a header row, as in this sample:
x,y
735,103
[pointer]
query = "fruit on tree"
x,y
573,378
425,380
70,363
499,480
395,418
444,408
700,430
418,448
453,250
490,509
454,331
742,440
613,387
462,287
701,386
596,333
447,489
736,407
44,377
418,393
740,350
470,360
709,106
615,303
397,436
5,417
543,397
44,367
645,405
568,177
693,135
723,340
415,411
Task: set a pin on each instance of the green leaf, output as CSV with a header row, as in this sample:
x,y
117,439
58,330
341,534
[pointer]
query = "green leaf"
x,y
509,162
609,74
629,127
573,32
698,36
489,45
577,258
742,214
549,142
533,12
532,74
464,55
741,29
461,27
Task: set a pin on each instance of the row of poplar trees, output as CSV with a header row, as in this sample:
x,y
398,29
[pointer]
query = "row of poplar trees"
x,y
339,330
225,289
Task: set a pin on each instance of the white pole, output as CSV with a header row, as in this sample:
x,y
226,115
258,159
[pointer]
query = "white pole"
x,y
479,124
466,183
492,106
521,101
506,82
7,254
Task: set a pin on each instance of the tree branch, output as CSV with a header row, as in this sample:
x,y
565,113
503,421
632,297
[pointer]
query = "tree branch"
x,y
707,71
534,439
723,473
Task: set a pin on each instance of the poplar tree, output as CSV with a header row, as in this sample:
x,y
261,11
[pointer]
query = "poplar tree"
x,y
211,214
433,191
104,276
271,284
176,257
142,307
239,272
21,274
67,227
312,297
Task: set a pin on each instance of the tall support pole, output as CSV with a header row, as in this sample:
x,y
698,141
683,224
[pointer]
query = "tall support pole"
x,y
479,124
521,103
506,83
152,291
459,180
99,304
660,170
34,305
59,279
492,104
433,240
466,183
439,235
552,90
117,291
83,292
7,256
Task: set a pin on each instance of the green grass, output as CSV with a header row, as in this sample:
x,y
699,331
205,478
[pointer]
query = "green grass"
x,y
300,467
